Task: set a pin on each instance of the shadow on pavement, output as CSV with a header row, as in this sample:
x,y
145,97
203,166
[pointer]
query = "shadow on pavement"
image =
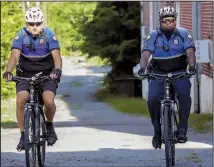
x,y
114,157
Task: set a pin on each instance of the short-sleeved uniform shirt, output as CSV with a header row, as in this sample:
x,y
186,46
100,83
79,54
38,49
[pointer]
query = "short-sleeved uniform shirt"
x,y
169,55
36,52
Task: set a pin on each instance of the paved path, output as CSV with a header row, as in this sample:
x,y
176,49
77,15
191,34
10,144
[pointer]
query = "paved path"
x,y
93,134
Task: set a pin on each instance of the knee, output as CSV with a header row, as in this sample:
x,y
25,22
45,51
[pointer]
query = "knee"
x,y
49,103
153,104
20,102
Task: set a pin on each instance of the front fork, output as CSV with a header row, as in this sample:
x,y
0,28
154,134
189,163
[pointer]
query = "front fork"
x,y
35,109
173,120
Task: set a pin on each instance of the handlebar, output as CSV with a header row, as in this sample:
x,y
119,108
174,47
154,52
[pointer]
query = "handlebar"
x,y
171,76
36,77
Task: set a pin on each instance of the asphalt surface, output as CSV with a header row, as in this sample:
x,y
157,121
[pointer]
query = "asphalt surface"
x,y
91,133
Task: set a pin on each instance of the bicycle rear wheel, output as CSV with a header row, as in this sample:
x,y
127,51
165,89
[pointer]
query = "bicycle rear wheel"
x,y
169,145
41,147
29,142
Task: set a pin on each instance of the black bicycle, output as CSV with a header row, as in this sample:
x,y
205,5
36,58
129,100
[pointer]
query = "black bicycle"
x,y
34,122
169,112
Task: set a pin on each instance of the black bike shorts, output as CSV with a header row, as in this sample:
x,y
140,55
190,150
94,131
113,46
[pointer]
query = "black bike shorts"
x,y
47,85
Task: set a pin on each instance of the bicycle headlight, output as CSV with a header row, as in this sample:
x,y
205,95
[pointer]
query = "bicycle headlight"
x,y
169,75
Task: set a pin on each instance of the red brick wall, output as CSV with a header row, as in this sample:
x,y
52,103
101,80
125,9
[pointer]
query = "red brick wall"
x,y
207,20
207,31
168,3
186,15
146,16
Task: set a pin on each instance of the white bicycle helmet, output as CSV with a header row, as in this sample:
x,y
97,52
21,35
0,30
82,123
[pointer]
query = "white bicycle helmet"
x,y
33,15
167,12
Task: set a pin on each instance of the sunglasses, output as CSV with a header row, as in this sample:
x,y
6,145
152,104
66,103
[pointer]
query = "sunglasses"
x,y
33,24
167,20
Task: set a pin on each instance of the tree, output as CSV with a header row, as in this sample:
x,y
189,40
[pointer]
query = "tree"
x,y
12,19
65,19
114,33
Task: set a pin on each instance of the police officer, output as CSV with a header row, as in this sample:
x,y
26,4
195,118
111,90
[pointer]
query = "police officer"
x,y
170,47
36,49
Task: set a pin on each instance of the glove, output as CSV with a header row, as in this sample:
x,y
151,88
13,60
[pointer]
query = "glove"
x,y
141,71
8,76
150,68
192,70
56,74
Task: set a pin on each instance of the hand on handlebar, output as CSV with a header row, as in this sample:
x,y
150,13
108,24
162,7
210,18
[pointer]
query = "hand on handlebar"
x,y
141,72
8,76
192,70
56,74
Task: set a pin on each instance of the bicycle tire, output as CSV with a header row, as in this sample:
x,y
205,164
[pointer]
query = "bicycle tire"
x,y
29,142
173,135
167,138
41,147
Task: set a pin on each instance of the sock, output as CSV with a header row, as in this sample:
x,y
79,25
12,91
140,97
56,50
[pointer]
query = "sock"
x,y
49,124
22,134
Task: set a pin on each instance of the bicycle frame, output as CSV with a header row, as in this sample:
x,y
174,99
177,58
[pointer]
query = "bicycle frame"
x,y
35,105
171,103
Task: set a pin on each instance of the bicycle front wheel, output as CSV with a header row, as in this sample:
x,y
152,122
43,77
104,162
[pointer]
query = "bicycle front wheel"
x,y
169,145
41,147
29,142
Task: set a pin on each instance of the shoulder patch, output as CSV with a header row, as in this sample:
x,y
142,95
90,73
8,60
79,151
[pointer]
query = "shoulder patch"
x,y
54,38
16,37
189,36
148,37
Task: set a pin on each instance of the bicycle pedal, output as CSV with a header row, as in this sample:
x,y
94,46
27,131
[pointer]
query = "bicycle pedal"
x,y
51,144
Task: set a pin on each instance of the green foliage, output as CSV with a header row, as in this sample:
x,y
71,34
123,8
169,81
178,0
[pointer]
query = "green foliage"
x,y
8,113
115,35
122,103
201,122
12,19
65,19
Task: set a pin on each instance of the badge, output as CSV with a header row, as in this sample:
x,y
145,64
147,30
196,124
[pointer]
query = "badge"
x,y
17,37
190,36
54,38
175,42
148,37
41,41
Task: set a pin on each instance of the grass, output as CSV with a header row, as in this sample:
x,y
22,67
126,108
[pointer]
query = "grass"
x,y
193,157
132,106
8,113
201,123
